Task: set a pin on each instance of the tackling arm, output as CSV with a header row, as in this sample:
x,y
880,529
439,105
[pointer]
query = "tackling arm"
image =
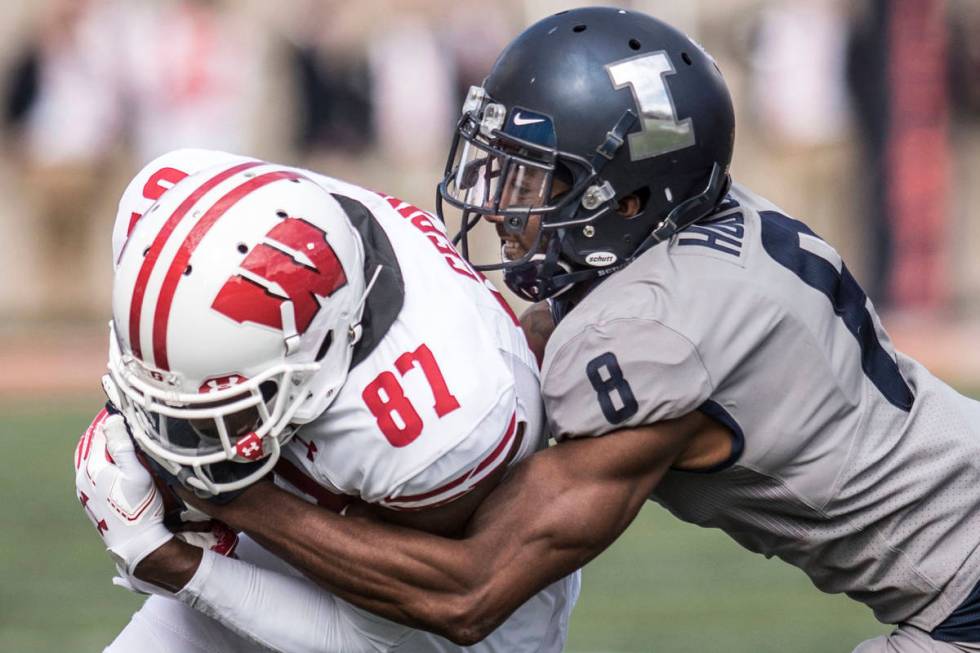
x,y
560,509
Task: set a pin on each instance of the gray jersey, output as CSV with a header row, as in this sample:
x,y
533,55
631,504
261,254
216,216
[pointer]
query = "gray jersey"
x,y
850,461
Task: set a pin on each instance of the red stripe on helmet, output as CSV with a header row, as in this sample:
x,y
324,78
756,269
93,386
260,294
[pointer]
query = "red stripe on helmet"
x,y
161,316
149,261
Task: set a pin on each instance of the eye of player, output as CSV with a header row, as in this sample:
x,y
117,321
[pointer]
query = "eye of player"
x,y
237,424
527,187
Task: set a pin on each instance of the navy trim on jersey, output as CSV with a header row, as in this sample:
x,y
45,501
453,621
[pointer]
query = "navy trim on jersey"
x,y
781,240
562,305
963,625
386,299
714,410
724,234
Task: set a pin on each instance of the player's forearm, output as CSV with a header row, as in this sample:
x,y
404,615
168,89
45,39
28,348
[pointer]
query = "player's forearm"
x,y
560,508
408,576
241,595
557,512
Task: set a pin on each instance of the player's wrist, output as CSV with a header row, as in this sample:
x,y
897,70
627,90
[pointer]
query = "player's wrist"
x,y
248,510
171,566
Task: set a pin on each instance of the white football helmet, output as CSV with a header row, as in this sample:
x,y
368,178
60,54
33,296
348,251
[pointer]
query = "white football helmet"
x,y
236,306
156,178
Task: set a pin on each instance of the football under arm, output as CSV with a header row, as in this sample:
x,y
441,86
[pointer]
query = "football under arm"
x,y
559,509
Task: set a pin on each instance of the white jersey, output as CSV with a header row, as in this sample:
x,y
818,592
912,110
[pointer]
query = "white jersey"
x,y
443,390
434,406
849,461
441,380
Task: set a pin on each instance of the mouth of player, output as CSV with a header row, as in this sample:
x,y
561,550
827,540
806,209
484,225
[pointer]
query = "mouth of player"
x,y
511,249
517,246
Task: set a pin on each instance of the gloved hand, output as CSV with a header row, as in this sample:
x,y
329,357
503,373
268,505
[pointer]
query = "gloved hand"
x,y
118,493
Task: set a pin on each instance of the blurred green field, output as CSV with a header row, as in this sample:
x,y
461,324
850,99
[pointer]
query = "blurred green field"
x,y
664,586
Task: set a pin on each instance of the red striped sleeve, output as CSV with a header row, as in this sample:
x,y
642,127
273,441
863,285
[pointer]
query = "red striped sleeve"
x,y
462,484
298,479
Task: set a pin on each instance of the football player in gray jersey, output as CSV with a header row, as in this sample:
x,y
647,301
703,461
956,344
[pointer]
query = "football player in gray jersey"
x,y
711,354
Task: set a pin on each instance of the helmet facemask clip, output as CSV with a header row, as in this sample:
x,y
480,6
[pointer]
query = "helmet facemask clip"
x,y
615,138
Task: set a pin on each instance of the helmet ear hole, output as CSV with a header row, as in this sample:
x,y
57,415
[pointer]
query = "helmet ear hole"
x,y
634,204
324,346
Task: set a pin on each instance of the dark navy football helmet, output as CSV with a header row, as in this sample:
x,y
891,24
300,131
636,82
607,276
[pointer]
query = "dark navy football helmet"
x,y
610,103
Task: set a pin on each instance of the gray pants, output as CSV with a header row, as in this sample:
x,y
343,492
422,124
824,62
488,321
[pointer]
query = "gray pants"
x,y
909,639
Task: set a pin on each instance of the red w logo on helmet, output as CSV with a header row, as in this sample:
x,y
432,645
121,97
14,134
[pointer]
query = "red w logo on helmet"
x,y
288,277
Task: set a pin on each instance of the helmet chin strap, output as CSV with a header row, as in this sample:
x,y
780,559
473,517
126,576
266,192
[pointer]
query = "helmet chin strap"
x,y
292,337
687,212
355,332
546,276
287,313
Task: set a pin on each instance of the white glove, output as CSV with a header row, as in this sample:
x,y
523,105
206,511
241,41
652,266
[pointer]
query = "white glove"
x,y
118,493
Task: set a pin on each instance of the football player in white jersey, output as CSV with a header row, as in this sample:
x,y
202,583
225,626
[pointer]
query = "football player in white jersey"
x,y
270,322
711,354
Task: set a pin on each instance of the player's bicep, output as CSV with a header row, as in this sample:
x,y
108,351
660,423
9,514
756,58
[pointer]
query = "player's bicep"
x,y
565,505
584,491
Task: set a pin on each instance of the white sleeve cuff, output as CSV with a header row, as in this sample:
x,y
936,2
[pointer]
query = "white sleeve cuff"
x,y
198,581
283,612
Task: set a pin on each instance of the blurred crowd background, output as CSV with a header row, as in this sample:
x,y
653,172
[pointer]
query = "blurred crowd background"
x,y
861,117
